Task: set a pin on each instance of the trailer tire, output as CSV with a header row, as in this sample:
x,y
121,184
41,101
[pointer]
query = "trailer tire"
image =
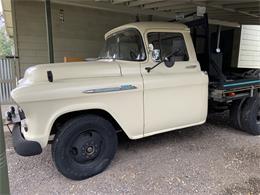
x,y
84,147
235,113
250,117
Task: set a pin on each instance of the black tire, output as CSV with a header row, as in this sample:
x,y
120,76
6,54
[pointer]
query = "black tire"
x,y
251,115
84,147
235,113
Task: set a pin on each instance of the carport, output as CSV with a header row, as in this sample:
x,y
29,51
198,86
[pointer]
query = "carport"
x,y
206,159
49,30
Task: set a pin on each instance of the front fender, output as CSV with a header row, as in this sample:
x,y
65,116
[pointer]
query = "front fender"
x,y
125,107
43,103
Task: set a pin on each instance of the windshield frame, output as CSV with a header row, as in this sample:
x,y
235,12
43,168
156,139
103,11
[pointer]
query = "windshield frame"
x,y
142,45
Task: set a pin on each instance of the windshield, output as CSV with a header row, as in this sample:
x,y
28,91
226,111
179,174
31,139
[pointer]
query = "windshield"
x,y
126,45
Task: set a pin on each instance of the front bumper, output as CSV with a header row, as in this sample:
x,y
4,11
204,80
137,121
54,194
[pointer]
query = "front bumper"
x,y
22,146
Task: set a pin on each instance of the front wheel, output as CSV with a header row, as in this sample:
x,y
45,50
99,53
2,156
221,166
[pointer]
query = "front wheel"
x,y
84,147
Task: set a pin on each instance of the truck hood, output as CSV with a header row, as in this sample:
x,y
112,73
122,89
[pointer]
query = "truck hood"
x,y
74,70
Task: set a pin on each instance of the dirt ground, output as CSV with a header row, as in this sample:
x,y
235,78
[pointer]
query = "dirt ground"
x,y
208,159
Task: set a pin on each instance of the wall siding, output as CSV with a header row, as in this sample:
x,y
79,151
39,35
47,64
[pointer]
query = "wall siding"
x,y
249,53
81,35
30,34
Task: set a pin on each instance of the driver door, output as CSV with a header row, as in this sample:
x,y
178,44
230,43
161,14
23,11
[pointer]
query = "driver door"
x,y
173,97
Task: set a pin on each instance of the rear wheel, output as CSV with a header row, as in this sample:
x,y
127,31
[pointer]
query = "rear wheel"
x,y
84,147
235,113
251,115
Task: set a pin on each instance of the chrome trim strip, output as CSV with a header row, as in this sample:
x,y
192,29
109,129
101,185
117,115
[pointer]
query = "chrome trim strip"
x,y
110,89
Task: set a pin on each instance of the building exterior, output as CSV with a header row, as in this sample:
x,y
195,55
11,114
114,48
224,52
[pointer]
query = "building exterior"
x,y
78,27
77,31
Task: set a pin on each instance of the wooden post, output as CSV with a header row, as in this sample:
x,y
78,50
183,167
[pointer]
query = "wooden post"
x,y
4,181
49,30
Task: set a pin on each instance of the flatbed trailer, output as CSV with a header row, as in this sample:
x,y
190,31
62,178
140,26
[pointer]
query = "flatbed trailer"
x,y
223,87
233,90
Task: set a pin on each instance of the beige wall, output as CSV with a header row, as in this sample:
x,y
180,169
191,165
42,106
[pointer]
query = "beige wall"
x,y
30,33
81,34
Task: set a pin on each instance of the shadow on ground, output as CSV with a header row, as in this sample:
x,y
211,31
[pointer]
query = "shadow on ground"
x,y
209,159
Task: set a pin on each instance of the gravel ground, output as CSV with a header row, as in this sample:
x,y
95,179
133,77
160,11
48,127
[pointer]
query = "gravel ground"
x,y
209,159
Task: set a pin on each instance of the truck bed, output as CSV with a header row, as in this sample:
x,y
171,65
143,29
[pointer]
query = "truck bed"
x,y
233,89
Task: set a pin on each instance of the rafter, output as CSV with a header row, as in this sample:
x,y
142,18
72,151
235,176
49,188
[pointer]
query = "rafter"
x,y
119,1
164,4
142,2
244,10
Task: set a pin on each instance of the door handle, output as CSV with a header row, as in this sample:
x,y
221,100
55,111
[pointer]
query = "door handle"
x,y
191,66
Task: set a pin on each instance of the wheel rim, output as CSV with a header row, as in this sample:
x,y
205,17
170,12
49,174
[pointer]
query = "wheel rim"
x,y
85,147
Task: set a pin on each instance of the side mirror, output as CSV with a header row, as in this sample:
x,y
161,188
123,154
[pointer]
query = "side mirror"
x,y
169,62
150,47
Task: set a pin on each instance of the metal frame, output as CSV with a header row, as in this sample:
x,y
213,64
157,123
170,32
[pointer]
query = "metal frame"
x,y
8,78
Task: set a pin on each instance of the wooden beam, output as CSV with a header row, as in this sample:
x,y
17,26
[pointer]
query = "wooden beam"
x,y
114,8
4,183
164,4
49,30
224,23
221,7
168,8
231,17
249,9
177,7
231,2
257,12
142,2
242,5
119,1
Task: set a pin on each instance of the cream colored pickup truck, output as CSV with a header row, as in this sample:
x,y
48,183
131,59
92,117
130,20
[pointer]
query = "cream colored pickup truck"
x,y
147,80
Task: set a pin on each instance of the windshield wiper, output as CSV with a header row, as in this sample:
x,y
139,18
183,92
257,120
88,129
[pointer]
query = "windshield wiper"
x,y
148,69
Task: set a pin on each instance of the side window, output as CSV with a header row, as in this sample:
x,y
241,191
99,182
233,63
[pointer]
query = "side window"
x,y
110,49
131,46
169,43
154,39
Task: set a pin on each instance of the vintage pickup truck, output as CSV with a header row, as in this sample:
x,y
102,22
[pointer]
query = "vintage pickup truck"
x,y
147,80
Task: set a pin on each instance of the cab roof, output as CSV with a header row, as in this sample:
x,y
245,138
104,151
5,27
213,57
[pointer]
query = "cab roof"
x,y
143,26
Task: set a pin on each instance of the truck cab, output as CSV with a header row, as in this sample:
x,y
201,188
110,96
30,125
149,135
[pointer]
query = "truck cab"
x,y
169,93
